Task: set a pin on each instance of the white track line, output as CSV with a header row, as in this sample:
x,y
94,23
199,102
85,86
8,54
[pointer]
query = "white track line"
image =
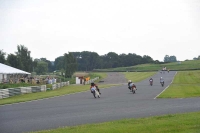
x,y
166,87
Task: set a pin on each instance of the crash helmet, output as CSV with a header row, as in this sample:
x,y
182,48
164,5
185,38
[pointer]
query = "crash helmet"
x,y
92,84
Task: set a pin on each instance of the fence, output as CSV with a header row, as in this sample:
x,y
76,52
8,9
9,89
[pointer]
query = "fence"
x,y
9,92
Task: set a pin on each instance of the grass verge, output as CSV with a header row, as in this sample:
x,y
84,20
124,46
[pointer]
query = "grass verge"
x,y
186,84
57,92
176,123
138,76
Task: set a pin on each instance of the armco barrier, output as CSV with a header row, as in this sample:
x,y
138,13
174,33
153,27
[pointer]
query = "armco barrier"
x,y
58,85
54,86
9,92
35,89
4,93
43,87
14,91
25,90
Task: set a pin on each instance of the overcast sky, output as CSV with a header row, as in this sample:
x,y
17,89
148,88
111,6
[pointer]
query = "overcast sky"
x,y
50,28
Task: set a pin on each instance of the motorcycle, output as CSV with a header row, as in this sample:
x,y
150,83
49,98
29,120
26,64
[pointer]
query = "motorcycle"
x,y
151,83
95,93
162,83
132,87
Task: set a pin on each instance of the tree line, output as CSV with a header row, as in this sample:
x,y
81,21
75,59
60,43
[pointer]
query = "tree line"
x,y
70,62
87,61
22,60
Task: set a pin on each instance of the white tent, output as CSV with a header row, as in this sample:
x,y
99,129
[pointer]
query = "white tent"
x,y
4,69
7,71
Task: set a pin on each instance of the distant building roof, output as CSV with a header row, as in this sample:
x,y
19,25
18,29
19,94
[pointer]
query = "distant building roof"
x,y
5,69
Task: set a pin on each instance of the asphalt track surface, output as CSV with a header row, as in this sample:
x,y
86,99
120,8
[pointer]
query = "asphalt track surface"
x,y
82,108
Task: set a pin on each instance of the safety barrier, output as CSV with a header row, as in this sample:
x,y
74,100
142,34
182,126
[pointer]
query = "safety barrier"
x,y
9,92
59,85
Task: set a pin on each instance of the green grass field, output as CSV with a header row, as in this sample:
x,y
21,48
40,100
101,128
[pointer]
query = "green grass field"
x,y
184,65
137,76
185,84
172,123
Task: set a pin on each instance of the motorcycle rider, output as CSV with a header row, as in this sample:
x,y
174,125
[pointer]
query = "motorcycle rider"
x,y
95,85
151,81
161,80
131,84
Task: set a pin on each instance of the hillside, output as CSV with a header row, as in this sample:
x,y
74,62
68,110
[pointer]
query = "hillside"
x,y
174,66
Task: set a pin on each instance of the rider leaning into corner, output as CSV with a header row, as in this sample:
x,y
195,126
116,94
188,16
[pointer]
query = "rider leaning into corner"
x,y
95,85
131,84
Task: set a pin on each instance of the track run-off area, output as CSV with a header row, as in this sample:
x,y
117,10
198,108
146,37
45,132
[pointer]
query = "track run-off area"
x,y
82,108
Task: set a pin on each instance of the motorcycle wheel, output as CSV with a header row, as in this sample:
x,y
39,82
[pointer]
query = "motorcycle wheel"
x,y
133,91
162,84
94,94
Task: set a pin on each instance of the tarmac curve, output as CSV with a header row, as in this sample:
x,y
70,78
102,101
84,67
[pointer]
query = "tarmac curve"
x,y
82,108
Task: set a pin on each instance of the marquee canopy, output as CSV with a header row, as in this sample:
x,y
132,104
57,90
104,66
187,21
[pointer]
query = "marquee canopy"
x,y
4,69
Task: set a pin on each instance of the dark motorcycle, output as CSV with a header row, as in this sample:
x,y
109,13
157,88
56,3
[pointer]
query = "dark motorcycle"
x,y
151,83
162,83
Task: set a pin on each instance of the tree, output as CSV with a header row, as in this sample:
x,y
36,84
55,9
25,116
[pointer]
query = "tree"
x,y
93,60
50,66
196,58
24,57
166,58
172,58
87,61
14,61
147,59
112,60
70,64
59,63
2,57
42,67
34,64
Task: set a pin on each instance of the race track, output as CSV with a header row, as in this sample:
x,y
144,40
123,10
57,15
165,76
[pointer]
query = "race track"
x,y
81,108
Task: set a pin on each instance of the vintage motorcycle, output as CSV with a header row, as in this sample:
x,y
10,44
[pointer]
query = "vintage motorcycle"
x,y
95,92
162,83
132,87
